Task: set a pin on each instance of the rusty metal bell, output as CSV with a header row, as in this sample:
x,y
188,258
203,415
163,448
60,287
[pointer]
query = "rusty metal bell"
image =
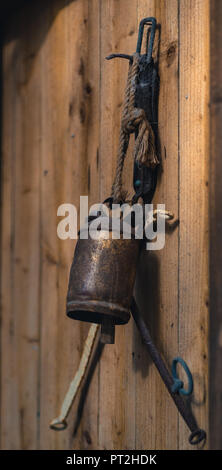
x,y
102,278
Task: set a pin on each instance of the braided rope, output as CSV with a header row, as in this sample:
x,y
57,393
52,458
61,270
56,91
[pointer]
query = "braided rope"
x,y
133,119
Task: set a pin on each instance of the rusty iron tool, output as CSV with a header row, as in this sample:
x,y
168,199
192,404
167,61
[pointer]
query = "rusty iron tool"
x,y
197,435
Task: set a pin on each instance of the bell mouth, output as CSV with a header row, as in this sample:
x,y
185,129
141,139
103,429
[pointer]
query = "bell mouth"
x,y
96,311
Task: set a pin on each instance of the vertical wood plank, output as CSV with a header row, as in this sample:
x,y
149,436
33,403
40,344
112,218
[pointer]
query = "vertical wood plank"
x,y
157,290
10,435
194,148
52,71
69,169
117,389
90,60
26,241
21,299
215,366
64,178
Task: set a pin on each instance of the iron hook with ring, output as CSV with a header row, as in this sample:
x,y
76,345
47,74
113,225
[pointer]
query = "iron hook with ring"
x,y
178,385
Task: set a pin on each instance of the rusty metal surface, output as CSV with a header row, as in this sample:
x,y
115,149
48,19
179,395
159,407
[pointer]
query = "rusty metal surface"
x,y
101,279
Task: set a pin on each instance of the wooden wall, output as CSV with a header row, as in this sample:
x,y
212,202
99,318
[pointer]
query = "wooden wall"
x,y
215,338
61,115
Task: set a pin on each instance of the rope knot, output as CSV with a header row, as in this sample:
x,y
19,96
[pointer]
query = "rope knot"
x,y
132,121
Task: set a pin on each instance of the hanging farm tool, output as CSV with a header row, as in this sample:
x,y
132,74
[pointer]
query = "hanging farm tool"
x,y
101,277
103,271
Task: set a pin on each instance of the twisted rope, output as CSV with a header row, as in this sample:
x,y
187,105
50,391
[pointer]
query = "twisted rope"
x,y
133,119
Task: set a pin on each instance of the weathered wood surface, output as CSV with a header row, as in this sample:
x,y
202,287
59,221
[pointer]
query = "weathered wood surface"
x,y
193,201
215,337
61,115
155,286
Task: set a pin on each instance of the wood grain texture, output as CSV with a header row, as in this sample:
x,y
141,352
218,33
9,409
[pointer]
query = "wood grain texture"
x,y
193,201
54,144
10,435
61,117
64,117
215,226
91,99
117,378
21,241
155,286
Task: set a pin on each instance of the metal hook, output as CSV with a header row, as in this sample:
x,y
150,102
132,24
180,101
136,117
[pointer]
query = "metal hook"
x,y
121,56
150,40
146,21
178,384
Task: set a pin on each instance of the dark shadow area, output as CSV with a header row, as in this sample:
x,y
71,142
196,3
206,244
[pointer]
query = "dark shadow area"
x,y
29,23
7,9
156,60
200,387
18,17
147,297
85,388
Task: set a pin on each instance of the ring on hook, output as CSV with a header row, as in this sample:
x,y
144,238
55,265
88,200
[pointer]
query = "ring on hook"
x,y
178,384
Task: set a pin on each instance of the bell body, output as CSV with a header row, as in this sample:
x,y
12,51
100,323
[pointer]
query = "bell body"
x,y
102,278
